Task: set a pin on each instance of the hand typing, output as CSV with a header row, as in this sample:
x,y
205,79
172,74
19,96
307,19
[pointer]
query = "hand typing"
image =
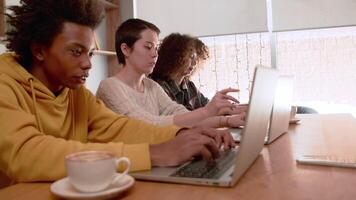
x,y
233,120
221,100
234,109
190,143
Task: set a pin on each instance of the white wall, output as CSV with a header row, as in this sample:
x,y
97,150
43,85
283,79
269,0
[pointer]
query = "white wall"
x,y
8,3
99,69
127,9
12,2
2,48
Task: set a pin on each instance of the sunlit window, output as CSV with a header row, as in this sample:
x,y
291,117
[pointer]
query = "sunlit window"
x,y
232,61
323,63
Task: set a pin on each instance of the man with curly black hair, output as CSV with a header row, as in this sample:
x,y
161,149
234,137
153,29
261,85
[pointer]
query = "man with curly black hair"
x,y
47,113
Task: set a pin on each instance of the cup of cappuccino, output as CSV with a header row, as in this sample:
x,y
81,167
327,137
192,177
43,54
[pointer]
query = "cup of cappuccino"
x,y
93,171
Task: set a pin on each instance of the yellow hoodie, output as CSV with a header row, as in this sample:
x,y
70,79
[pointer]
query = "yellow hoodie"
x,y
38,129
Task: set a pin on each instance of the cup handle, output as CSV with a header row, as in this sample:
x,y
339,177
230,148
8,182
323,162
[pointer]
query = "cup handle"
x,y
119,176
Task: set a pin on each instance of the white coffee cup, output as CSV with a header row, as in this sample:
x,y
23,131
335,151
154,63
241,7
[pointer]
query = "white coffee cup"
x,y
93,171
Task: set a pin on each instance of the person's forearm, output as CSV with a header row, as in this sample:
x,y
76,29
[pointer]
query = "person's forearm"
x,y
154,155
192,118
160,155
215,122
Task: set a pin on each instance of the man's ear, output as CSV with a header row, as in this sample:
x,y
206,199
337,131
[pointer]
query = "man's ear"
x,y
37,51
125,49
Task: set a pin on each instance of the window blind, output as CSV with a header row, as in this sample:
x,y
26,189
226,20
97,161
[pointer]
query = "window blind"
x,y
204,17
310,14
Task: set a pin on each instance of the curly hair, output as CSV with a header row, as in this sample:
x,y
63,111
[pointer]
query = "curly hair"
x,y
174,54
129,32
40,21
201,49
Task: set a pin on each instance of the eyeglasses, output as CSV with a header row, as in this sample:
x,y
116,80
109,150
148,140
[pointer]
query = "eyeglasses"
x,y
194,57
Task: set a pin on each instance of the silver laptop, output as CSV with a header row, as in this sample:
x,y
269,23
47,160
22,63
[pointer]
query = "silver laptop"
x,y
231,165
279,119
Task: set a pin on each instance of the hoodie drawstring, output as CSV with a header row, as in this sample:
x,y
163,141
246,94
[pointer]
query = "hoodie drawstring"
x,y
39,125
72,112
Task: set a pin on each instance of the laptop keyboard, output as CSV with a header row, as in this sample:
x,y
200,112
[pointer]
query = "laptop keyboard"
x,y
203,169
236,133
237,137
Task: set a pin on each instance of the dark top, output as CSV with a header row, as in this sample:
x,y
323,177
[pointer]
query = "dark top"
x,y
186,94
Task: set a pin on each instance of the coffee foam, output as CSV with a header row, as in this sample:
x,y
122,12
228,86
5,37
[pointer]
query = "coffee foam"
x,y
90,156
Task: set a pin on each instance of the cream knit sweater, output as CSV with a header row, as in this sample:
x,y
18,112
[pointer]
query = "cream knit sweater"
x,y
153,105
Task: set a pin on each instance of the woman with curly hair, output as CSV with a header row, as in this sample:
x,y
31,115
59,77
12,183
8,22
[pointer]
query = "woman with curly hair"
x,y
178,59
131,93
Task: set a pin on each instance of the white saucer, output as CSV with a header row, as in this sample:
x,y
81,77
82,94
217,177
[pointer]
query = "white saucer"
x,y
64,189
294,120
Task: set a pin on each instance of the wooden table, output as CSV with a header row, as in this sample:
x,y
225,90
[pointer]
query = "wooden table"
x,y
274,175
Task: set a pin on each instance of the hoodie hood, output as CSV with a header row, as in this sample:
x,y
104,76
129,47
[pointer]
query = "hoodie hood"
x,y
40,97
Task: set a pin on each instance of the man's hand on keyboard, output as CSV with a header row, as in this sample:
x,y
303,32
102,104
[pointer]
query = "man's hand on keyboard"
x,y
223,137
190,143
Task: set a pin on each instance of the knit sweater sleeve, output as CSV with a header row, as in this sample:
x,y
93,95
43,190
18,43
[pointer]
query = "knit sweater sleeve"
x,y
117,97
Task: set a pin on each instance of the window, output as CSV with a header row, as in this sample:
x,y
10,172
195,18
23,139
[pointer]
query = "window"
x,y
231,62
322,61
